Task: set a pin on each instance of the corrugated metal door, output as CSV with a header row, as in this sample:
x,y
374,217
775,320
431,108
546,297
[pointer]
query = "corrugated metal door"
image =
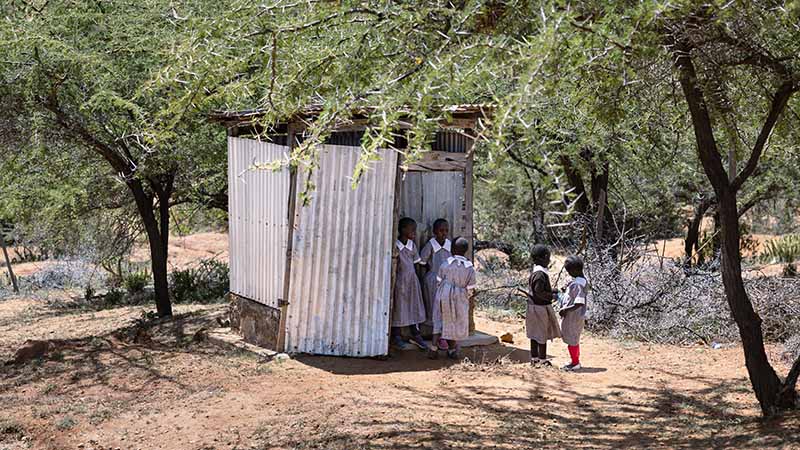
x,y
427,196
258,202
340,282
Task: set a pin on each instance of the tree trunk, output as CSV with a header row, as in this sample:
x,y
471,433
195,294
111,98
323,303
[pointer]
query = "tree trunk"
x,y
692,241
576,183
716,238
765,381
788,397
8,265
600,201
158,253
123,163
766,384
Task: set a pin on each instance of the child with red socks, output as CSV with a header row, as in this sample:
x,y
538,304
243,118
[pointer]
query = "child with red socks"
x,y
573,310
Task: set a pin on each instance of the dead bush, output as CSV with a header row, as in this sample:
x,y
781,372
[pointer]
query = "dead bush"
x,y
657,301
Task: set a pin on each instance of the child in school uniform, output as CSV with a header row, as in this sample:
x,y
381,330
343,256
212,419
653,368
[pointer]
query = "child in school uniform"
x,y
435,252
541,323
456,283
573,310
408,309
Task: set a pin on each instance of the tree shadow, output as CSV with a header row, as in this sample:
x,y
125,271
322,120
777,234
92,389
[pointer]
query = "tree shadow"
x,y
93,361
555,415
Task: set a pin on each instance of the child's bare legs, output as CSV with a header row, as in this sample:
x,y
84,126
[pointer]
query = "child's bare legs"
x,y
435,340
433,350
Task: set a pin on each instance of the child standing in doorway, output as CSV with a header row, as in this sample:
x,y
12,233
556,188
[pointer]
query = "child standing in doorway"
x,y
435,252
541,323
408,309
456,284
573,310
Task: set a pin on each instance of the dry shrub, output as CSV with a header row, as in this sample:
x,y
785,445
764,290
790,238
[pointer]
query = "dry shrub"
x,y
791,349
499,292
657,301
63,274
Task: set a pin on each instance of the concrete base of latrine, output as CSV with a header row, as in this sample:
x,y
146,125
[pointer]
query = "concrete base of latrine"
x,y
256,323
231,340
476,339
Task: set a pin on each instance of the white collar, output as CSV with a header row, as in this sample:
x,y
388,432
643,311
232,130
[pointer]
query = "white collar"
x,y
538,268
409,245
459,259
579,281
436,247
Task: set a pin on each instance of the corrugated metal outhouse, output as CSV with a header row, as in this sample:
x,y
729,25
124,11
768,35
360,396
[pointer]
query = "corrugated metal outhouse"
x,y
318,278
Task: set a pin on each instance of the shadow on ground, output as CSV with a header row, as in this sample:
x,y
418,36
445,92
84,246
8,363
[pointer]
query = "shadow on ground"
x,y
546,416
91,361
495,400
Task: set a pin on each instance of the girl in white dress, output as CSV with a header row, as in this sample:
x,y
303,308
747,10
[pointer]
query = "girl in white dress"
x,y
435,252
456,284
573,310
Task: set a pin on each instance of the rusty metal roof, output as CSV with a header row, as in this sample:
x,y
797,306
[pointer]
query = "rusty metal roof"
x,y
248,116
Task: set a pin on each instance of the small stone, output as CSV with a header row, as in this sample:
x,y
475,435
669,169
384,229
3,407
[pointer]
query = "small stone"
x,y
282,357
507,338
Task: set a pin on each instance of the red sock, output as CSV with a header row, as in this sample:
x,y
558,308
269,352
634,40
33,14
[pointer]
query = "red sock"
x,y
574,353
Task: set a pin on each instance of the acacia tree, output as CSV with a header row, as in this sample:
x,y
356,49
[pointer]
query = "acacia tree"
x,y
704,42
96,79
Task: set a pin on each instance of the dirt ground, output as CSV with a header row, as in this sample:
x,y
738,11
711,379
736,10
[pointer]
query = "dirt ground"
x,y
101,389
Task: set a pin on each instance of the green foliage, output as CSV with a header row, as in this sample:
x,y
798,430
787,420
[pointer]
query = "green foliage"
x,y
114,297
785,249
135,282
205,283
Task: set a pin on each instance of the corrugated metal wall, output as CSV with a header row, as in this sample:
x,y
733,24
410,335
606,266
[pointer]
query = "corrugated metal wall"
x,y
341,264
427,196
450,141
258,215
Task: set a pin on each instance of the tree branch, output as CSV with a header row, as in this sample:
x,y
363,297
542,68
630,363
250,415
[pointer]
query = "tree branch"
x,y
524,163
625,48
378,15
776,109
701,121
